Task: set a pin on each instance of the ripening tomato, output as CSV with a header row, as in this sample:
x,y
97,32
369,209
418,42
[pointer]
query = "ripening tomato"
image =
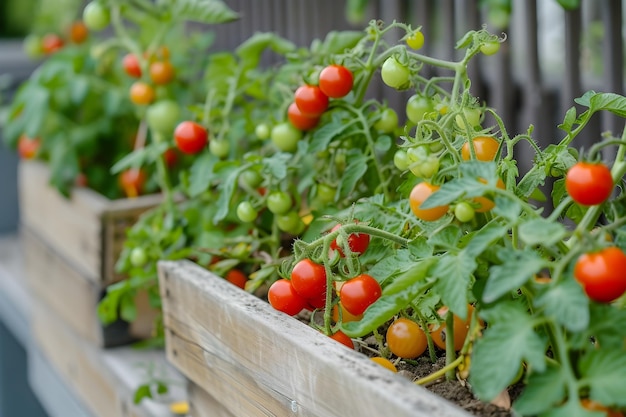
x,y
161,72
190,137
78,32
589,184
283,297
461,328
171,157
27,148
419,194
602,274
138,257
311,100
416,40
131,65
490,47
385,363
485,204
285,137
358,293
336,81
406,339
51,43
299,120
346,316
358,242
485,148
162,116
395,74
279,202
96,16
132,181
309,278
237,278
141,93
342,338
246,212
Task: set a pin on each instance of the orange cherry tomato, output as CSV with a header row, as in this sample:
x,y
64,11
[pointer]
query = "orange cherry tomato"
x,y
485,148
236,277
141,93
78,32
406,339
418,195
132,182
27,148
485,204
161,72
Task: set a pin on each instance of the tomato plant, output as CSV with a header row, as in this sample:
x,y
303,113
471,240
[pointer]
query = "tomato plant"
x,y
589,184
190,137
357,242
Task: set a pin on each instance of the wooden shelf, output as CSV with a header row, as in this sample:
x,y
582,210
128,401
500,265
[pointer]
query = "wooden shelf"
x,y
70,375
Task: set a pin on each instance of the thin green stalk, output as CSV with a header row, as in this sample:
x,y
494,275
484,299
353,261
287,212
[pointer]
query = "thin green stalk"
x,y
443,371
450,352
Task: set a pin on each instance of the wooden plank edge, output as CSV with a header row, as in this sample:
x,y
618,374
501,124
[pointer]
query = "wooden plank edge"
x,y
322,374
15,300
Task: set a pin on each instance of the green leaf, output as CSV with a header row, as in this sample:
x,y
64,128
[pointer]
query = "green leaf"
x,y
604,372
251,50
420,248
541,232
533,179
517,268
401,261
606,324
558,192
325,134
203,11
277,164
572,408
452,191
227,188
162,388
79,88
128,309
603,101
497,355
142,392
542,392
507,208
336,42
355,170
396,296
447,237
484,238
566,304
479,169
200,174
568,120
569,4
452,280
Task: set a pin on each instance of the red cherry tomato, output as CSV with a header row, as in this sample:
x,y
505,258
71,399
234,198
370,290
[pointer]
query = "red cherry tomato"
x,y
78,32
132,182
336,81
131,66
190,137
27,148
310,100
602,274
358,242
358,293
342,338
589,184
283,297
51,43
171,157
237,278
299,120
309,278
161,72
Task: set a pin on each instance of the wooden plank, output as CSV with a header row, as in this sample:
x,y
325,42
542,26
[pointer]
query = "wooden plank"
x,y
87,229
257,361
15,300
202,404
76,362
54,281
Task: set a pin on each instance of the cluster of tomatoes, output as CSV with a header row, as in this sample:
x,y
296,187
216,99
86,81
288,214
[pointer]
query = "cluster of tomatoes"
x,y
310,102
160,71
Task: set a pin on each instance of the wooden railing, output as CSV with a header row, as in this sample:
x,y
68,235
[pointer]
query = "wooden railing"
x,y
549,57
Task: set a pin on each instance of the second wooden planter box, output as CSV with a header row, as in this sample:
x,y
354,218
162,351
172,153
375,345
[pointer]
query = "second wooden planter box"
x,y
71,246
251,360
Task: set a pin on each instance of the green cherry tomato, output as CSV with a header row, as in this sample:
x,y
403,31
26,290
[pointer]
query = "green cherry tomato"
x,y
32,46
394,74
285,137
262,131
219,148
416,40
138,257
471,115
326,193
388,121
246,212
426,168
279,202
490,47
401,160
417,107
251,178
464,212
290,222
96,16
163,116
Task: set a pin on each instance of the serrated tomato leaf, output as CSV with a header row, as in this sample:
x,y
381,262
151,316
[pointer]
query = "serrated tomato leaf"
x,y
604,372
541,231
452,276
542,392
566,304
518,266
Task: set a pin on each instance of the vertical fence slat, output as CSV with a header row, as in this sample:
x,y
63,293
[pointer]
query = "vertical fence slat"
x,y
613,54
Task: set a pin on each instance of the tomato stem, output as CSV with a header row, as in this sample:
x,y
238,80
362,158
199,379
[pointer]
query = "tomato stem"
x,y
450,367
450,352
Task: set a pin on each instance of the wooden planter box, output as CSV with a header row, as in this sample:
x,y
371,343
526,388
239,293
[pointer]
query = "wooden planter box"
x,y
247,359
71,247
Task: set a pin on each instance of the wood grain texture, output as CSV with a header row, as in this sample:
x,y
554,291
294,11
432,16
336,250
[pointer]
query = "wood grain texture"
x,y
88,229
259,362
202,404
